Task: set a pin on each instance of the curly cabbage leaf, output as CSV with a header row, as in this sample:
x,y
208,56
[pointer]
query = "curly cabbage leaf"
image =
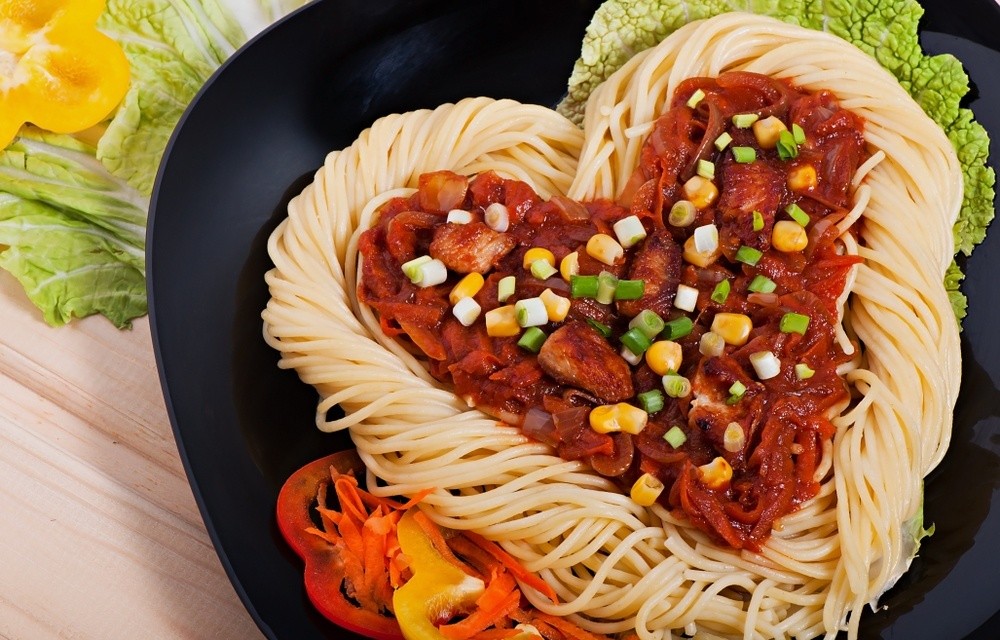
x,y
885,29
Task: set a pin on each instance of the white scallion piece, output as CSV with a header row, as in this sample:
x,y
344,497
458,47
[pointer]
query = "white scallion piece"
x,y
686,298
459,216
531,312
630,357
411,268
706,238
766,364
497,217
466,310
430,273
629,231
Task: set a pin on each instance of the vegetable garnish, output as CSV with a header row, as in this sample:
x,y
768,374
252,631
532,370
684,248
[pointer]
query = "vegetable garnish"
x,y
57,70
383,568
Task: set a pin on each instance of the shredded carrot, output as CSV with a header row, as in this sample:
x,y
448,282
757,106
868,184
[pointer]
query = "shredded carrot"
x,y
433,532
515,567
500,599
567,628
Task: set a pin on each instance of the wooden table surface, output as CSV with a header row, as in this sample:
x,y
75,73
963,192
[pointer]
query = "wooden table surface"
x,y
100,537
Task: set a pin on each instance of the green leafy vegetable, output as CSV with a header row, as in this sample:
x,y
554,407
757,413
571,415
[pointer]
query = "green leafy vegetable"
x,y
885,29
73,214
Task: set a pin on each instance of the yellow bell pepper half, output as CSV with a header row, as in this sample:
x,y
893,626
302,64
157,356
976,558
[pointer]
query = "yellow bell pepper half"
x,y
57,70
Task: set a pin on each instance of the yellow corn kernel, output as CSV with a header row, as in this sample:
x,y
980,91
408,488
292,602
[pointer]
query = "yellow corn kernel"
x,y
802,178
663,356
556,306
733,438
646,490
733,327
697,258
604,248
767,131
789,236
537,253
502,322
700,191
716,474
467,287
569,266
610,418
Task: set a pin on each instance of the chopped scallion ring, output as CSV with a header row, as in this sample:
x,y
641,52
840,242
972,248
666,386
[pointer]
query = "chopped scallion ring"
x,y
630,289
542,269
602,329
723,141
736,392
459,216
695,98
748,255
583,286
762,284
647,321
706,238
531,312
706,169
803,371
675,437
744,155
686,297
676,386
430,273
636,341
466,310
798,134
682,213
758,221
711,345
721,292
797,214
410,268
629,231
678,328
744,120
532,339
497,217
607,285
765,364
651,401
505,288
787,148
794,323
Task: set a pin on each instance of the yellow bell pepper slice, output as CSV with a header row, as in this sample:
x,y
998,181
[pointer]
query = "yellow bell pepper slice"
x,y
57,70
437,589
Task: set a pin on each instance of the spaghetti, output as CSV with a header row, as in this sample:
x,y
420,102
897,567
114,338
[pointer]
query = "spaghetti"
x,y
615,565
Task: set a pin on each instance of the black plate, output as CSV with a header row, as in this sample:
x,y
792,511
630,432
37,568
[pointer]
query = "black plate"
x,y
253,138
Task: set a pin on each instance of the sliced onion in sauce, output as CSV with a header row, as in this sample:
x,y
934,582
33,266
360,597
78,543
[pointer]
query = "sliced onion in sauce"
x,y
763,299
618,462
570,210
538,424
569,421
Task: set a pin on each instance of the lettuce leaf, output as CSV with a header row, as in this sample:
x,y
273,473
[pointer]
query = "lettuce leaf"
x,y
73,213
885,29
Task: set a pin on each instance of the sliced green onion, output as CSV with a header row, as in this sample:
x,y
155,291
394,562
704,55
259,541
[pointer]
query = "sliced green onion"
x,y
744,155
721,292
583,286
543,269
798,134
676,386
803,371
682,213
630,289
647,321
758,221
787,148
678,328
706,169
651,401
531,312
629,231
532,339
794,323
736,392
762,284
675,437
412,268
748,255
723,141
607,284
695,98
602,329
505,288
796,213
744,120
636,341
429,273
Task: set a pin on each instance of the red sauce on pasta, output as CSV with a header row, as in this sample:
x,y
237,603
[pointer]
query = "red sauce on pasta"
x,y
735,433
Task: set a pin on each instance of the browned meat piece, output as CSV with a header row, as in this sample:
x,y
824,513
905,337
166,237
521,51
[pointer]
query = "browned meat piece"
x,y
750,187
658,264
470,247
576,355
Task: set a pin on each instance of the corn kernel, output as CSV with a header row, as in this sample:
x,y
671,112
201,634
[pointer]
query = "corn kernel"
x,y
664,356
555,305
733,438
733,327
604,248
569,266
467,287
537,253
698,259
716,474
502,322
700,191
802,178
611,418
788,236
646,490
767,131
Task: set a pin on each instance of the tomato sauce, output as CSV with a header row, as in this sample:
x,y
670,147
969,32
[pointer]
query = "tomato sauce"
x,y
769,459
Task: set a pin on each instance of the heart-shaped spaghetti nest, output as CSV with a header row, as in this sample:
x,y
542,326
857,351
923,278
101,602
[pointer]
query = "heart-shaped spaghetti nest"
x,y
616,565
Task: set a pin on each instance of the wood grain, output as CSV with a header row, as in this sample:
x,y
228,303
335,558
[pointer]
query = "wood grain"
x,y
100,537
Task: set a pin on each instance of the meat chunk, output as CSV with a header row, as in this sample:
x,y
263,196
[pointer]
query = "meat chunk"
x,y
576,355
750,187
470,247
658,264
